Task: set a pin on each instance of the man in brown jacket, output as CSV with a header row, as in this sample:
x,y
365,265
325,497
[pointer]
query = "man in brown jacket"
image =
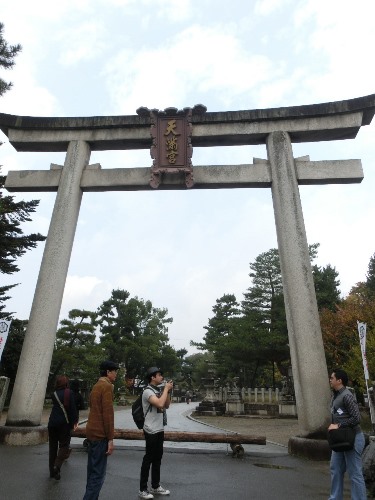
x,y
100,429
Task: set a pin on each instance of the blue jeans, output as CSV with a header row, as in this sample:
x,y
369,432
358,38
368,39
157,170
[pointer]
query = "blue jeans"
x,y
96,468
350,461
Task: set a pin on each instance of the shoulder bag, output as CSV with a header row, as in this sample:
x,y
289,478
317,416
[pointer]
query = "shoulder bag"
x,y
341,439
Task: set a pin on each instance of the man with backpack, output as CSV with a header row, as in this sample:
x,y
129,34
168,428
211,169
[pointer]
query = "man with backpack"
x,y
155,401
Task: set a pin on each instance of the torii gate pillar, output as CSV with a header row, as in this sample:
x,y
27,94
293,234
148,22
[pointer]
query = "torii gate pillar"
x,y
29,392
305,336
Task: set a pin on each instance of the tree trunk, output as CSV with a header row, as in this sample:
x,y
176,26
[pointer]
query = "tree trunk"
x,y
190,437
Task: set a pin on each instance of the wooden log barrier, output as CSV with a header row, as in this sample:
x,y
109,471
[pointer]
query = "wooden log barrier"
x,y
191,437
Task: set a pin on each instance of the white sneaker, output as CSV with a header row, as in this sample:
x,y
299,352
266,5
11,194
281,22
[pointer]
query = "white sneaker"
x,y
159,491
145,494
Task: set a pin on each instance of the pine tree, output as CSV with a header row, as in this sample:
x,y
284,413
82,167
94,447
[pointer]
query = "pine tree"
x,y
12,352
7,55
75,347
220,325
264,311
13,243
326,287
135,333
370,276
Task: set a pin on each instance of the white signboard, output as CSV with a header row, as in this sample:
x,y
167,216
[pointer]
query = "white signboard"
x,y
362,340
4,330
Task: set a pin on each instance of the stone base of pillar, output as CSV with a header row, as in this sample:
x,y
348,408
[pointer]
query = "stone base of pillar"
x,y
23,436
314,449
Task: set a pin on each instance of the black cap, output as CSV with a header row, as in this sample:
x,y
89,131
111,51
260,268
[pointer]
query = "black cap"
x,y
108,365
153,370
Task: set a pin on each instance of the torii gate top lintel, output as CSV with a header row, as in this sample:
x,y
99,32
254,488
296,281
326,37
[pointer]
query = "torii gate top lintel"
x,y
307,123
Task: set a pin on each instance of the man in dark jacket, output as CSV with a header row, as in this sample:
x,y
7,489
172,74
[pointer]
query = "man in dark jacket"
x,y
63,418
345,413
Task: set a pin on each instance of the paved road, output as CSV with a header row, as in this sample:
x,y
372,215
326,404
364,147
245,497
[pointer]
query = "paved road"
x,y
192,471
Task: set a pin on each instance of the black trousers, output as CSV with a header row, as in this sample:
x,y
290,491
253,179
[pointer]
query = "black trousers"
x,y
59,441
152,458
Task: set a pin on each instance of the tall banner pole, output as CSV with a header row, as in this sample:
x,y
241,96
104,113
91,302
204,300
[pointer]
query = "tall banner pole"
x,y
362,340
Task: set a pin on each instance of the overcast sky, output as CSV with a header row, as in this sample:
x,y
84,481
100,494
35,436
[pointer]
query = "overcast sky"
x,y
184,249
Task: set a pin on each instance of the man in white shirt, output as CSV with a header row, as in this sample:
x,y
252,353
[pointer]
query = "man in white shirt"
x,y
155,401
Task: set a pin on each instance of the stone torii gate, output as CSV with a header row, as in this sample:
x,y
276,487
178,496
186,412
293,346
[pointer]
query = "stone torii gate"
x,y
278,128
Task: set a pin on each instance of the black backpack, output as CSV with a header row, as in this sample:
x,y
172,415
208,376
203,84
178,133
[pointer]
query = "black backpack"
x,y
137,411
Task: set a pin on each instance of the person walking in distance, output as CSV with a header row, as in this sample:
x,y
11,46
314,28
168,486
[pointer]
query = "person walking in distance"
x,y
155,400
100,429
345,413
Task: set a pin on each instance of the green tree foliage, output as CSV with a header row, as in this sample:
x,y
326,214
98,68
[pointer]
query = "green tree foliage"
x,y
264,313
326,287
3,297
75,348
181,353
129,331
237,341
135,333
340,329
340,333
221,324
13,243
250,341
12,352
224,336
195,368
370,276
264,308
7,56
266,285
13,347
265,293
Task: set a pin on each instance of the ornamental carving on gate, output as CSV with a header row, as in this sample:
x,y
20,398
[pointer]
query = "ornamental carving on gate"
x,y
171,148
